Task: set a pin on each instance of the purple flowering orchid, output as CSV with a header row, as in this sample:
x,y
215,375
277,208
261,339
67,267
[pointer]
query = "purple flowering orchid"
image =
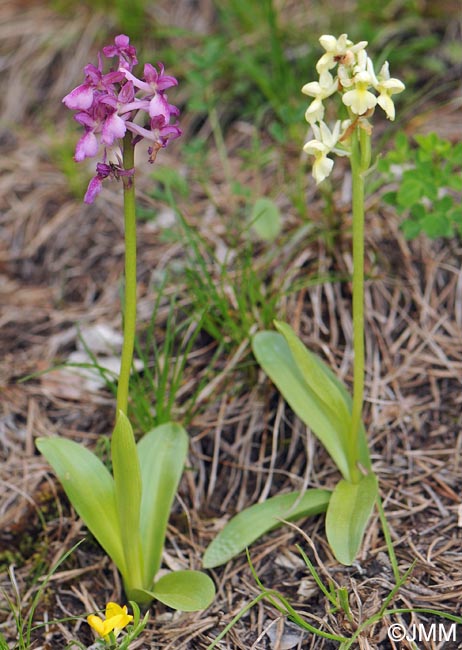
x,y
108,103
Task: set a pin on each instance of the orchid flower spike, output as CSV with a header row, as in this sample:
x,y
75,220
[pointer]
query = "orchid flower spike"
x,y
360,89
108,103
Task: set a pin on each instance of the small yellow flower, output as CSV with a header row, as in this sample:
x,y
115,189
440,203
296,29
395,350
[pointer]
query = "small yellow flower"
x,y
116,619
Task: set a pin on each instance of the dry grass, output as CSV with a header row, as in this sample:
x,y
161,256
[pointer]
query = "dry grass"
x,y
60,264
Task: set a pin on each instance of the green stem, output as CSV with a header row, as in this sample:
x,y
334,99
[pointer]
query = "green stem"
x,y
129,311
360,156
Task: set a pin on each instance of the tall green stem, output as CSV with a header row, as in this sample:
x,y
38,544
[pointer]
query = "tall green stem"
x,y
360,158
129,311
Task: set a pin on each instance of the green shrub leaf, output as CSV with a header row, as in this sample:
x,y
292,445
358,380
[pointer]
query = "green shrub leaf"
x,y
410,192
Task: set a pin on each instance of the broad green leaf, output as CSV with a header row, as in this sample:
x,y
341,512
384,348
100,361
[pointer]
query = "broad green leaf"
x,y
455,182
411,191
127,483
315,375
437,225
250,524
411,229
304,380
90,488
162,453
274,356
188,591
265,219
349,509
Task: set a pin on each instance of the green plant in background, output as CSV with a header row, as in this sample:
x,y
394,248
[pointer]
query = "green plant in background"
x,y
127,511
155,390
429,185
231,301
25,624
260,78
309,386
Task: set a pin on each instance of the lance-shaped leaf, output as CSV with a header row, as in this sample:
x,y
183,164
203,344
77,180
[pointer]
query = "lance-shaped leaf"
x,y
253,522
188,591
127,482
320,382
275,357
90,488
347,515
312,390
327,386
162,453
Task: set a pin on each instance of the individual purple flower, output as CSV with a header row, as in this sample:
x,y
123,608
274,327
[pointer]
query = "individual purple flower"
x,y
87,146
153,81
122,49
104,170
108,103
82,97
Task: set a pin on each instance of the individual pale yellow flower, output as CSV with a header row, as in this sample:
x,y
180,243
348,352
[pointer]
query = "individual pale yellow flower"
x,y
116,619
386,86
359,99
320,90
338,50
324,143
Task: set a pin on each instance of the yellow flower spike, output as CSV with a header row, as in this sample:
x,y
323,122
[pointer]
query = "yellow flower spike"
x,y
116,619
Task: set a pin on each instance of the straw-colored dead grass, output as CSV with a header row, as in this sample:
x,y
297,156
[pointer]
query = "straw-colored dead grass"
x,y
60,264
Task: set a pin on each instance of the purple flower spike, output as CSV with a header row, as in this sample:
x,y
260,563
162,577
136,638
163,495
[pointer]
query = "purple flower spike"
x,y
108,103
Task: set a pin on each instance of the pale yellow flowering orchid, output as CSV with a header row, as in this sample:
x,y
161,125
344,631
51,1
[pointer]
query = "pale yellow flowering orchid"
x,y
355,81
116,619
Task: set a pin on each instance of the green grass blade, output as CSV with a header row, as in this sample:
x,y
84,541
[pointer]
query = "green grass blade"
x,y
162,453
90,488
250,524
347,515
127,483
